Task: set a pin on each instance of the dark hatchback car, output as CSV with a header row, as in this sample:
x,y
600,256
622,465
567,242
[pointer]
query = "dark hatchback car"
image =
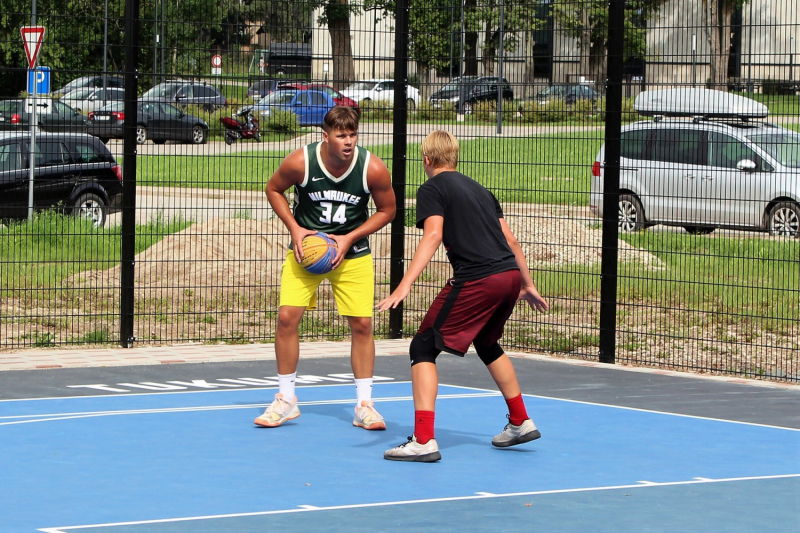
x,y
570,94
185,93
91,82
51,115
466,91
261,88
154,120
74,173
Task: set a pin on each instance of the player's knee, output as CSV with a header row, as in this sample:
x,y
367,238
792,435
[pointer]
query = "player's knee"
x,y
360,326
423,348
489,353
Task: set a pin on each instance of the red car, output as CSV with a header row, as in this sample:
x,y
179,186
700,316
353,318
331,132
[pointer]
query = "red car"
x,y
338,97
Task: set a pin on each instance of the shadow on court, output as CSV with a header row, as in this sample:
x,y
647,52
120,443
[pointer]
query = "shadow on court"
x,y
620,451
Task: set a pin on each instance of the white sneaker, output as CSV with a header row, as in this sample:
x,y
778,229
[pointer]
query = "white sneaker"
x,y
367,417
414,451
278,412
513,435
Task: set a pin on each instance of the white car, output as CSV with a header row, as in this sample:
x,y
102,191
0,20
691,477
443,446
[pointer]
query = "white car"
x,y
706,160
383,90
88,99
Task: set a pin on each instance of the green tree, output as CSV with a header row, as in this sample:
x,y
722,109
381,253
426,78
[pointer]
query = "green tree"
x,y
587,22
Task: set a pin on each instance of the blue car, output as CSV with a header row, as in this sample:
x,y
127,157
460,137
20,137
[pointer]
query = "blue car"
x,y
309,105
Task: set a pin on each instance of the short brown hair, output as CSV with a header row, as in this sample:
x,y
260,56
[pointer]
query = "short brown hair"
x,y
342,118
442,149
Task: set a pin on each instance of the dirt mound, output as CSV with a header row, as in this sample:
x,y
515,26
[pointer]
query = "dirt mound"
x,y
229,255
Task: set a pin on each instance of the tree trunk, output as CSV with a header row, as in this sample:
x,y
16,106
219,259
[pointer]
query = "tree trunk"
x,y
586,43
718,62
529,75
343,66
489,52
470,44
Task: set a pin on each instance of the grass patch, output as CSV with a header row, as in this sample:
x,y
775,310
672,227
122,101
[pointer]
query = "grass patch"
x,y
43,252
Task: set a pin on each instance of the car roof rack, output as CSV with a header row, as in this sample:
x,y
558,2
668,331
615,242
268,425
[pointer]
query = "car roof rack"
x,y
706,103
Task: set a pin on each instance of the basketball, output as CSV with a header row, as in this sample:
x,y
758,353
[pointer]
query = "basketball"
x,y
318,253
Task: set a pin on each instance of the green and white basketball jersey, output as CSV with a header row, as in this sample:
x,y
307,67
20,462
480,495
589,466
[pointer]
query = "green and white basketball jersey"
x,y
330,204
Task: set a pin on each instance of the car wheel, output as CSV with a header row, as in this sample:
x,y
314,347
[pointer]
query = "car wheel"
x,y
209,108
92,207
698,230
784,219
141,134
198,135
410,105
280,72
631,214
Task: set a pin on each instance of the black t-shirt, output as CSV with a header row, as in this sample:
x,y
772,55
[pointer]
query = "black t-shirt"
x,y
472,235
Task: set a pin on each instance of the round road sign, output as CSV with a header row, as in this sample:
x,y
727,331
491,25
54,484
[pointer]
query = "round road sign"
x,y
216,61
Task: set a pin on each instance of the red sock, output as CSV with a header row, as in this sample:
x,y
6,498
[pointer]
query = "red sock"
x,y
516,410
423,425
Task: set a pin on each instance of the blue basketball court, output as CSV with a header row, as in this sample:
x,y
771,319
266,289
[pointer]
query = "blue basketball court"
x,y
192,461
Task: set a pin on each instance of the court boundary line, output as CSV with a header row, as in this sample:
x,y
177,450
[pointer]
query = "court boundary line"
x,y
477,496
489,392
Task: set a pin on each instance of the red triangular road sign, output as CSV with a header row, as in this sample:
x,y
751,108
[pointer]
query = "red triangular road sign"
x,y
32,37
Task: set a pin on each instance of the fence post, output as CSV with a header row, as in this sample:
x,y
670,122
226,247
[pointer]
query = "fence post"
x,y
128,246
608,272
399,151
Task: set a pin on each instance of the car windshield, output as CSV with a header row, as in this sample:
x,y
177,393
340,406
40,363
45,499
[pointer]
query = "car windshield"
x,y
161,91
279,98
77,94
80,82
362,86
784,147
555,90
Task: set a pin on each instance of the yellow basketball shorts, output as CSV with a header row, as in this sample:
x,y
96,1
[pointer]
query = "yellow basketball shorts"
x,y
353,285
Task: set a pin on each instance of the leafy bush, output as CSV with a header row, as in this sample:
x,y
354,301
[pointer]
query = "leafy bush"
x,y
445,113
377,109
279,121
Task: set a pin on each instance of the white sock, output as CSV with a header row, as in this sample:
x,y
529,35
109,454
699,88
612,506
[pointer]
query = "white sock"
x,y
363,390
286,385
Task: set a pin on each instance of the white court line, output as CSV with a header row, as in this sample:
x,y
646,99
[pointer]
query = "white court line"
x,y
478,496
40,417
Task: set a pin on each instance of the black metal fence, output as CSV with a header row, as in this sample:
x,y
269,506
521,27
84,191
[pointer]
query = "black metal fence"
x,y
701,272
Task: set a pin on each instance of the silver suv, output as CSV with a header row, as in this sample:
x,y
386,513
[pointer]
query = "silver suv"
x,y
702,171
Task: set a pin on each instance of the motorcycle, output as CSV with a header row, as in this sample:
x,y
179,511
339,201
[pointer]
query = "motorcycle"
x,y
246,128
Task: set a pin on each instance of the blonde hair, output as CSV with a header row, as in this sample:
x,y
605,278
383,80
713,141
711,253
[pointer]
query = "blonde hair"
x,y
441,147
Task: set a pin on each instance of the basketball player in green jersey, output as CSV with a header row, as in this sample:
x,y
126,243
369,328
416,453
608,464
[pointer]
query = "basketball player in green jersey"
x,y
333,181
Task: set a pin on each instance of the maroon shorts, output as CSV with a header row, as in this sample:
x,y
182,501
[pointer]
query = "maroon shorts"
x,y
472,311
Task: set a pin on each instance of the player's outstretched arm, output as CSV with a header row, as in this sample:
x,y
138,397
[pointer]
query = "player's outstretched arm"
x,y
528,291
289,173
431,240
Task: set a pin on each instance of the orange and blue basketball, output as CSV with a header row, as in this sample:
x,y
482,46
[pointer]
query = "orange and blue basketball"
x,y
318,253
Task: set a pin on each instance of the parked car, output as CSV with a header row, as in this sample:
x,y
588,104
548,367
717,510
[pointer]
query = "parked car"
x,y
382,90
184,93
261,88
309,105
51,115
91,81
154,120
705,161
91,99
338,97
569,93
74,172
466,91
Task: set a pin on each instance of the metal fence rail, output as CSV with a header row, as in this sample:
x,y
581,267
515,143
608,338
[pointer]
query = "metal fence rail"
x,y
193,252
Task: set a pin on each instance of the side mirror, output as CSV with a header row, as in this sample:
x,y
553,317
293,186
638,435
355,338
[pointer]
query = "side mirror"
x,y
746,165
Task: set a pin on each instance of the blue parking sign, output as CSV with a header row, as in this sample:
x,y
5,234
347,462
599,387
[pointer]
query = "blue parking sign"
x,y
39,81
